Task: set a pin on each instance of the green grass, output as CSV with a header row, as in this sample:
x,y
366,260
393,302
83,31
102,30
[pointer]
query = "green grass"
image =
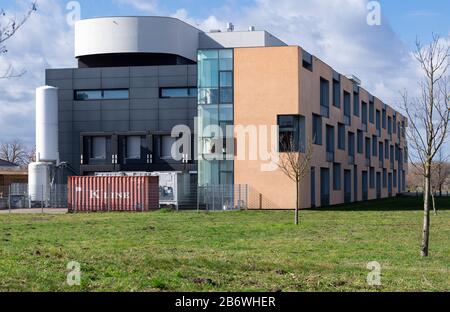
x,y
233,251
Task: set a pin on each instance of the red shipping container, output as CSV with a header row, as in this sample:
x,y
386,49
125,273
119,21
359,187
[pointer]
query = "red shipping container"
x,y
91,194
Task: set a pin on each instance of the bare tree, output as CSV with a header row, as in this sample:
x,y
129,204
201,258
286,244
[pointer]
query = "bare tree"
x,y
8,28
440,172
295,165
16,152
429,117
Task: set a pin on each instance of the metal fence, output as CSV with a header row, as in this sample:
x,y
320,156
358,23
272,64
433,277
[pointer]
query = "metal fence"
x,y
17,196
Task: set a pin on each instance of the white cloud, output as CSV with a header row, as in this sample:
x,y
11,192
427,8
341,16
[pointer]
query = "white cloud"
x,y
146,6
45,41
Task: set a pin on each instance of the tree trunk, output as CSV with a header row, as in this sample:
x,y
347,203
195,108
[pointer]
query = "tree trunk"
x,y
426,210
297,204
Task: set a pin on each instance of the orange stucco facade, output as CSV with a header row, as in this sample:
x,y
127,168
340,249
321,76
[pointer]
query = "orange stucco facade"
x,y
272,81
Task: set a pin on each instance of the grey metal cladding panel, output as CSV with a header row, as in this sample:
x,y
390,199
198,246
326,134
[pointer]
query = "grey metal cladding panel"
x,y
115,125
115,105
86,116
115,83
178,114
115,72
144,93
173,81
87,83
174,103
192,113
144,104
85,73
143,114
144,71
167,125
65,105
115,115
193,103
63,73
60,83
65,116
86,105
65,95
65,148
173,70
144,82
64,126
87,126
141,125
192,81
65,137
192,70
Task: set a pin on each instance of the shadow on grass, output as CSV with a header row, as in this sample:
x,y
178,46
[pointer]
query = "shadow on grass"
x,y
400,203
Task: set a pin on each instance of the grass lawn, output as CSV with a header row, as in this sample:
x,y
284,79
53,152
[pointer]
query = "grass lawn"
x,y
232,251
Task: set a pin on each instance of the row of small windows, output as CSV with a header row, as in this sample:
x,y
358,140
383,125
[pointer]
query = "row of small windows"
x,y
124,94
292,131
368,111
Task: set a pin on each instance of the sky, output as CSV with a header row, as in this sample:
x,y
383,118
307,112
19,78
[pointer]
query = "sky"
x,y
336,31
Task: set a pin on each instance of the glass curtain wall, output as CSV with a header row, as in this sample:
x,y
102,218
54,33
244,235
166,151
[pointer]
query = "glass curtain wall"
x,y
215,111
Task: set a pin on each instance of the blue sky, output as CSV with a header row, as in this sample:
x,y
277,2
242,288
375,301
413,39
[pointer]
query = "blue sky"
x,y
334,30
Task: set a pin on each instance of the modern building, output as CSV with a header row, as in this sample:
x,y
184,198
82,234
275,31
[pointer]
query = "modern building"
x,y
10,173
139,77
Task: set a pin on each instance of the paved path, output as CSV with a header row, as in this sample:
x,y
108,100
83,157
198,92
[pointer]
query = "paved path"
x,y
35,211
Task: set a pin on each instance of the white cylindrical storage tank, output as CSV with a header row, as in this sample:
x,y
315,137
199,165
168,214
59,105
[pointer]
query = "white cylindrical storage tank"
x,y
46,124
39,181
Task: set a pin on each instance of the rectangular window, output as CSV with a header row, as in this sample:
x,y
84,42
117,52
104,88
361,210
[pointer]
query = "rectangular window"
x,y
378,121
317,129
167,142
386,149
356,104
371,112
324,97
177,92
134,147
380,151
98,148
92,95
291,133
336,93
384,178
360,139
383,118
351,144
330,143
394,123
341,136
374,146
389,125
372,177
337,177
364,113
395,178
347,108
367,148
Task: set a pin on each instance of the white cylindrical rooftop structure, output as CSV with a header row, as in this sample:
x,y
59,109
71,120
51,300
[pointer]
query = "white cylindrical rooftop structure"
x,y
47,124
136,34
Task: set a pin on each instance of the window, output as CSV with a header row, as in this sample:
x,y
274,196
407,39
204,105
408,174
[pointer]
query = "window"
x,y
385,178
337,93
371,112
367,148
98,148
383,118
347,112
317,129
380,151
324,97
386,149
167,142
378,121
337,177
177,92
351,144
307,61
372,177
389,125
374,146
291,133
330,143
364,113
360,140
90,95
356,104
394,123
134,147
341,136
395,178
